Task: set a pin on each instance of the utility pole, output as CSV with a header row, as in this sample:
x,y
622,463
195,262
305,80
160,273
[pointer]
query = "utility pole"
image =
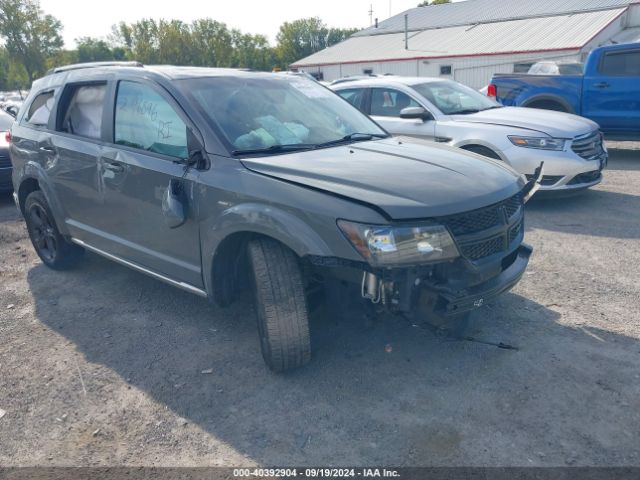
x,y
406,31
370,14
389,8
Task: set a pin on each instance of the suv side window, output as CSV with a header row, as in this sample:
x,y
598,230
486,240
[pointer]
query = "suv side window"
x,y
40,109
145,120
353,96
82,112
625,64
386,102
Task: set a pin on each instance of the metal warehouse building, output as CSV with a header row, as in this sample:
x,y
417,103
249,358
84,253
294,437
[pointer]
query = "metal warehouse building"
x,y
469,41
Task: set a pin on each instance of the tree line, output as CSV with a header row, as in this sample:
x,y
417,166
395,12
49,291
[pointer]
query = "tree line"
x,y
33,43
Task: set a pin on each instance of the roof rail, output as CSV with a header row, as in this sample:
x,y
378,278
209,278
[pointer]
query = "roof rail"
x,y
79,66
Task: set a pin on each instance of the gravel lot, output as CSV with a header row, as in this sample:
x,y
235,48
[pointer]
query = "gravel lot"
x,y
103,366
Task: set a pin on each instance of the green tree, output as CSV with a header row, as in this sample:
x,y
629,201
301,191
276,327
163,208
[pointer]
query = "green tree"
x,y
212,43
30,36
12,75
96,50
301,38
427,3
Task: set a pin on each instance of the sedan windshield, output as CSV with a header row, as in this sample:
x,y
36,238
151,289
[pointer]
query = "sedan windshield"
x,y
270,114
452,98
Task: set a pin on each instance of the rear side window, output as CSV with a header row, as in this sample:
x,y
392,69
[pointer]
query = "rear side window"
x,y
40,110
83,110
389,103
353,96
145,120
626,64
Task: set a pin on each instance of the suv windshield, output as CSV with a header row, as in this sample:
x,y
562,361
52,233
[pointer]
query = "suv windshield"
x,y
451,98
277,113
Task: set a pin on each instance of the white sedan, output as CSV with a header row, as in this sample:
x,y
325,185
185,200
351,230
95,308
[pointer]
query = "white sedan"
x,y
445,111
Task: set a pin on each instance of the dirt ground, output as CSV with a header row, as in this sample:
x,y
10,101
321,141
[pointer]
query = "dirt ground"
x,y
104,366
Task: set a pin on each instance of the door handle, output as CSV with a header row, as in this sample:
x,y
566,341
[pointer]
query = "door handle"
x,y
602,85
114,167
47,149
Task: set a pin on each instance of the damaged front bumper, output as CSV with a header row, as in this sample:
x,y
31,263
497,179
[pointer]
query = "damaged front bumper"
x,y
454,303
445,290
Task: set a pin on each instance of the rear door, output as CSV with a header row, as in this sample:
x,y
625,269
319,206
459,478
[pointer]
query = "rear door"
x,y
149,140
385,105
73,150
611,96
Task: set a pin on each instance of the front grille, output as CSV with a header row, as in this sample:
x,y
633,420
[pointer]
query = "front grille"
x,y
482,249
590,146
5,162
515,231
586,177
502,222
548,180
482,218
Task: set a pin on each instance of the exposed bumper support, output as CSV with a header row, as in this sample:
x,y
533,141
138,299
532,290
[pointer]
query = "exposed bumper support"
x,y
477,296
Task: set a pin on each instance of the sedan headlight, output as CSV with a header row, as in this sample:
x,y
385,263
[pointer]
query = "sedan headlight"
x,y
541,143
384,245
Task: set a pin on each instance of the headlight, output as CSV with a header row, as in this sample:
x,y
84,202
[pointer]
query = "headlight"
x,y
542,143
400,245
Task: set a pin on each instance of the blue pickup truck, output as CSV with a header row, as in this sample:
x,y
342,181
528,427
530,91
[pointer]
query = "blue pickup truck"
x,y
608,92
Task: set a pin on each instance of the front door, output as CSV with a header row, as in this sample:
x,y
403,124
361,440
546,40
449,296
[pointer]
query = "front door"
x,y
385,107
150,139
612,96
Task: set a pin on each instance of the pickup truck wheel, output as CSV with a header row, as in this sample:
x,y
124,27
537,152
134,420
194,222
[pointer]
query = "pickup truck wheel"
x,y
484,151
283,322
52,248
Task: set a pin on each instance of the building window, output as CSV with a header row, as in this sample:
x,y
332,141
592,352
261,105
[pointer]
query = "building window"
x,y
368,71
445,69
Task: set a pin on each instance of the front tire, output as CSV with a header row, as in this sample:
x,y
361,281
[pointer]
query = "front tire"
x,y
283,321
52,248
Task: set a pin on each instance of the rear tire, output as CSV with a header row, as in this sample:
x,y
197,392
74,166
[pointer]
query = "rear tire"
x,y
52,248
283,321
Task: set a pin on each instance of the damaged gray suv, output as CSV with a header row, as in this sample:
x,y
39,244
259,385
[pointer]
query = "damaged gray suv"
x,y
194,176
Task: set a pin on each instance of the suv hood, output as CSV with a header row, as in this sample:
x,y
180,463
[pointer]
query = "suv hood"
x,y
555,124
403,178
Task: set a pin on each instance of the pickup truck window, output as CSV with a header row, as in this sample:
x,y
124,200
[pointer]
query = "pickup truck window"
x,y
626,64
146,121
387,102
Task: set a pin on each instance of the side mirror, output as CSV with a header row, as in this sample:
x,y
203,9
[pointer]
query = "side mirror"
x,y
12,110
419,113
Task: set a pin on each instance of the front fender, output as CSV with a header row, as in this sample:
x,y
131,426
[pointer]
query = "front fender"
x,y
267,220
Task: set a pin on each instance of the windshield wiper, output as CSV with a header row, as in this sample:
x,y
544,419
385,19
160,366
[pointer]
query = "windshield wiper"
x,y
464,112
353,137
289,147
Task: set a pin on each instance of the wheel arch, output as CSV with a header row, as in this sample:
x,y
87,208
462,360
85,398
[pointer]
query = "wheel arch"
x,y
468,144
224,243
550,99
32,176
